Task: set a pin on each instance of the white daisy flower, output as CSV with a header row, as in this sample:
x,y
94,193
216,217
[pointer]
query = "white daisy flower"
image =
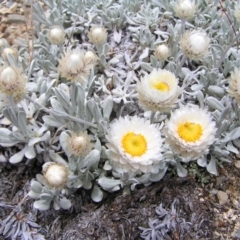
x,y
55,174
158,91
195,44
185,9
234,85
79,144
190,131
73,66
134,144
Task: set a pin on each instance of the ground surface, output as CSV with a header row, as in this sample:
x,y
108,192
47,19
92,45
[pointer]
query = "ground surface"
x,y
211,204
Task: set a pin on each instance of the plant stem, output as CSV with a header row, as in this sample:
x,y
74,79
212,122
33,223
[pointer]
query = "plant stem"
x,y
179,67
61,114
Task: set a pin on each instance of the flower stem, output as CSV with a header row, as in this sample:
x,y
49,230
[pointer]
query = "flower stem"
x,y
179,67
152,117
61,114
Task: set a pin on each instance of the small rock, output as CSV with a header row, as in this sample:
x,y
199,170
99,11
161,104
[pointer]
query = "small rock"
x,y
222,197
237,164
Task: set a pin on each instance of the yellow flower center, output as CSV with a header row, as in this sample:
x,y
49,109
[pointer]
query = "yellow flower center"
x,y
134,144
161,86
190,132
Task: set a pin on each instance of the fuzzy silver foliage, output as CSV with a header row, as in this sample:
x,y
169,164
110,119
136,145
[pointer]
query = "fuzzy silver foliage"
x,y
53,107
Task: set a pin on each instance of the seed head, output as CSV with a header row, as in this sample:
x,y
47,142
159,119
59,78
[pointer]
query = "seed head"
x,y
79,144
56,35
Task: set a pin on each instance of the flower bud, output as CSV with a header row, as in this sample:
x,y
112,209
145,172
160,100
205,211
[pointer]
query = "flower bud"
x,y
79,144
55,174
195,44
90,58
11,51
97,35
162,52
12,82
234,85
56,35
185,9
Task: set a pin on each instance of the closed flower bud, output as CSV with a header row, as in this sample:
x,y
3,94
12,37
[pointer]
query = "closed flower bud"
x,y
56,35
11,51
73,66
234,85
55,174
195,44
185,9
162,52
97,35
12,82
90,58
79,144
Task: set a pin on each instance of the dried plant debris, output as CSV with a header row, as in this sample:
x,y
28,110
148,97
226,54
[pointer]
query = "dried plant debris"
x,y
167,221
20,226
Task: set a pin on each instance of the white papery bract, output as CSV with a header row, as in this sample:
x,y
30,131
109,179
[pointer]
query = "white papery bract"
x,y
195,44
158,91
185,9
134,144
234,85
79,144
73,66
237,12
190,131
55,174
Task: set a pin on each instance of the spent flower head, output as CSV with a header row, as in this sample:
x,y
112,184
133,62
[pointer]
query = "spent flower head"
x,y
73,66
195,44
79,144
